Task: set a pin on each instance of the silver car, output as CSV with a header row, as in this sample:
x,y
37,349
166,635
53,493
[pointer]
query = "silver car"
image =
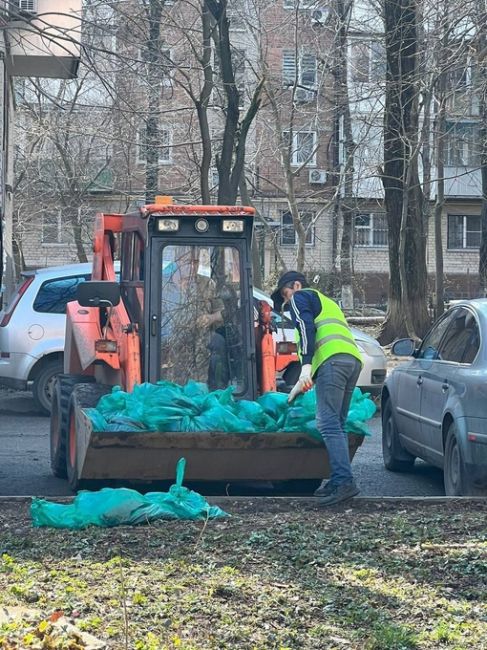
x,y
434,406
32,329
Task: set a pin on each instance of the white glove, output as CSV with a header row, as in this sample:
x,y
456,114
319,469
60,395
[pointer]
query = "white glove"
x,y
304,383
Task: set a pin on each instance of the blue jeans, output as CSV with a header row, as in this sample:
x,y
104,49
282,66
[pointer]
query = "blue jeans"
x,y
334,384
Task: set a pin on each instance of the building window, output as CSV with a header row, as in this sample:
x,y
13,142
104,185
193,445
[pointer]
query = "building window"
x,y
51,230
288,233
303,150
27,6
164,139
462,144
367,62
371,230
303,71
463,231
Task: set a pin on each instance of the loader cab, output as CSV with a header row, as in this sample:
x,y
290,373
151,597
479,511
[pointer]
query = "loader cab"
x,y
196,320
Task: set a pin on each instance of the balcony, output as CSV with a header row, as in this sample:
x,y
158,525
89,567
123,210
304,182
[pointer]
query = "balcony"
x,y
43,37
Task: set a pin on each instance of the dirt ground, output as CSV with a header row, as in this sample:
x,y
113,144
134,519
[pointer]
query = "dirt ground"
x,y
278,574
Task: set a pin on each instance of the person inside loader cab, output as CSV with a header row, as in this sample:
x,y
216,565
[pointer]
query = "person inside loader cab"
x,y
332,362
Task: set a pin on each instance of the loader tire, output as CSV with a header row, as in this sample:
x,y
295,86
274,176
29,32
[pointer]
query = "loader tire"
x,y
59,419
82,396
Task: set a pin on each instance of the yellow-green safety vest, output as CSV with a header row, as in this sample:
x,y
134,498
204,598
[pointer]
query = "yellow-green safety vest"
x,y
333,335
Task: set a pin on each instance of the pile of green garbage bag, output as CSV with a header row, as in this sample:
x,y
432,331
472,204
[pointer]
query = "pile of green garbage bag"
x,y
168,407
122,506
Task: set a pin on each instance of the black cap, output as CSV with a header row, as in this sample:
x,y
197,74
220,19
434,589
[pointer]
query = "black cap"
x,y
286,278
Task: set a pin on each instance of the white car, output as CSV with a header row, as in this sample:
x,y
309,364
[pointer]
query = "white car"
x,y
373,373
32,329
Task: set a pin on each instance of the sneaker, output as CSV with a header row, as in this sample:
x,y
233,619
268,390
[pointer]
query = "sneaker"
x,y
340,494
325,489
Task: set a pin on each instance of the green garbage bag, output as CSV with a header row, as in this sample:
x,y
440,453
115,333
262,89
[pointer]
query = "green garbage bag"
x,y
98,420
274,404
254,414
195,389
122,506
166,406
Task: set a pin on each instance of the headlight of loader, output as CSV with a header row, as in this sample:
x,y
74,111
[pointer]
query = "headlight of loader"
x,y
232,225
168,225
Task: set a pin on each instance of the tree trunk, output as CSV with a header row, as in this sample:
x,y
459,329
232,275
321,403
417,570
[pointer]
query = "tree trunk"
x,y
482,93
152,136
407,312
342,107
73,217
227,195
440,130
256,269
202,107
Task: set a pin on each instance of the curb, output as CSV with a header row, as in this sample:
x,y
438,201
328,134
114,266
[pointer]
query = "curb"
x,y
279,500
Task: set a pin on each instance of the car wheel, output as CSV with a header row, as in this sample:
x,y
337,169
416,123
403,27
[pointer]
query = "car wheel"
x,y
43,386
396,458
456,478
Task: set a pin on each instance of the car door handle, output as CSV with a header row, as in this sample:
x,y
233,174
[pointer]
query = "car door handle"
x,y
420,381
445,386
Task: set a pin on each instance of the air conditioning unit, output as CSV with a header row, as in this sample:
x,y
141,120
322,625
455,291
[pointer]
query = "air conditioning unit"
x,y
303,95
23,7
320,16
317,176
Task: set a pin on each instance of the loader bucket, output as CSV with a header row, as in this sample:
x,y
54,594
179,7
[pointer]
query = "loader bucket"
x,y
152,456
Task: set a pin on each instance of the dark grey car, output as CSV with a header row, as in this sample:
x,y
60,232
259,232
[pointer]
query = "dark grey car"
x,y
434,406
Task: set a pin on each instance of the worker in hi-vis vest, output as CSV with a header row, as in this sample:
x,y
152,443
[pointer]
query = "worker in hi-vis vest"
x,y
331,361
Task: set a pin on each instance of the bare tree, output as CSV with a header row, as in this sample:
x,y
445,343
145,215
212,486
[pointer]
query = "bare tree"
x,y
407,312
61,157
344,203
480,57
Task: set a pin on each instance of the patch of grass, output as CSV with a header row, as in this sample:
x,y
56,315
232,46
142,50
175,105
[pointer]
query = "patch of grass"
x,y
387,636
285,578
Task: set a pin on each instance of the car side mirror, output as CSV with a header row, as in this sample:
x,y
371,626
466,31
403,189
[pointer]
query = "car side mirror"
x,y
403,348
98,294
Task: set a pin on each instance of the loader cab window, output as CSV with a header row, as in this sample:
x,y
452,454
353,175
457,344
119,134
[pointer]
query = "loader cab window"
x,y
133,275
201,322
133,257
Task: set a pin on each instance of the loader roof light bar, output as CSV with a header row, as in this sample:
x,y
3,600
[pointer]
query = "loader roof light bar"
x,y
225,211
232,225
168,225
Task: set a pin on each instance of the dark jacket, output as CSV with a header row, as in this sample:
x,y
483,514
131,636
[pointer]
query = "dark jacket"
x,y
305,306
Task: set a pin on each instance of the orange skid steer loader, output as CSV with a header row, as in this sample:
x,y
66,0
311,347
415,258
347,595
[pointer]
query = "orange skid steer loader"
x,y
182,310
